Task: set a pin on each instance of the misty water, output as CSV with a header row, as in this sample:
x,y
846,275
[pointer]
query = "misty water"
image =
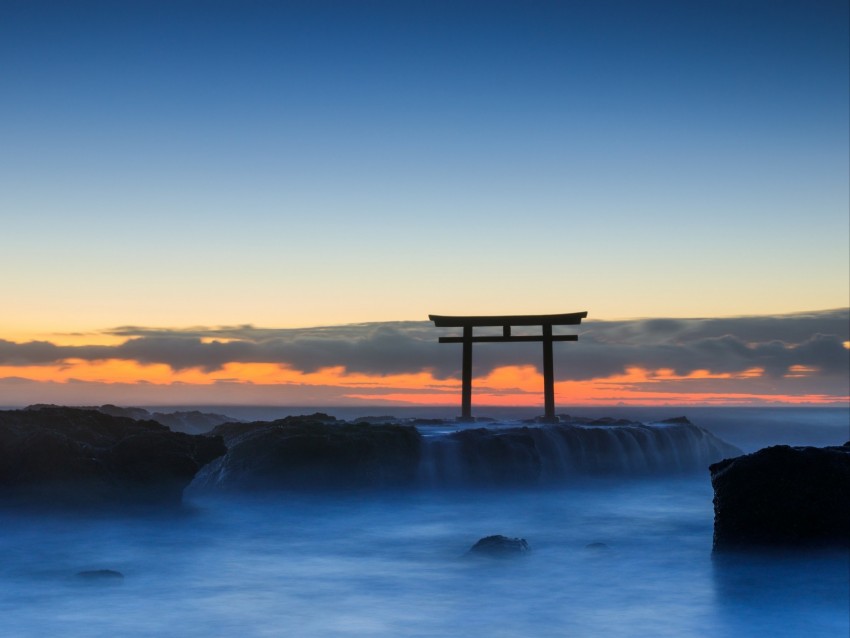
x,y
393,564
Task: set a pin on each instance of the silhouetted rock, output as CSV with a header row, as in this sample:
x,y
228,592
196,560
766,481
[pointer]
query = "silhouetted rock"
x,y
428,422
676,419
191,421
499,546
303,453
783,496
70,456
376,419
233,431
188,421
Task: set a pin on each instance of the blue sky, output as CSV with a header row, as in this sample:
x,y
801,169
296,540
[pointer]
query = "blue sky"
x,y
296,164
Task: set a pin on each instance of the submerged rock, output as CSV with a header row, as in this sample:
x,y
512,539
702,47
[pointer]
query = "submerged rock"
x,y
70,456
499,546
783,496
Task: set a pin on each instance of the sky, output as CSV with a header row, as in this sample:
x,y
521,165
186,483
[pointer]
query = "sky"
x,y
256,201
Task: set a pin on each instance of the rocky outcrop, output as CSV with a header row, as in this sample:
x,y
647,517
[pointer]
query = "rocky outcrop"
x,y
188,421
499,546
313,452
551,454
318,451
783,496
71,456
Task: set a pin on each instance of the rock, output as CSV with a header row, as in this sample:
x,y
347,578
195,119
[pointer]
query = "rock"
x,y
308,452
491,458
101,574
138,414
607,420
677,420
783,496
535,455
386,418
188,421
428,422
596,546
76,457
499,546
301,453
191,421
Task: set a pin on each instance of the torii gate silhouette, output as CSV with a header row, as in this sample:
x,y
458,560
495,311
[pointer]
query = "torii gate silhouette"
x,y
507,322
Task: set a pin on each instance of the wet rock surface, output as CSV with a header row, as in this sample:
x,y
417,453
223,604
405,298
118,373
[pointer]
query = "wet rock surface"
x,y
783,496
498,546
313,452
317,451
76,457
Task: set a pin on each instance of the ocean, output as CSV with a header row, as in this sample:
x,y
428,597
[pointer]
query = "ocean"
x,y
610,556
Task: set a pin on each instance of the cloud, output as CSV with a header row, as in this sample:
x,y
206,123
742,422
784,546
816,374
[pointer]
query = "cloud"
x,y
775,344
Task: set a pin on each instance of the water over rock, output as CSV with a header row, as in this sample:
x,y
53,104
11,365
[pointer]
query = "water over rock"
x,y
70,456
557,453
783,496
499,546
309,451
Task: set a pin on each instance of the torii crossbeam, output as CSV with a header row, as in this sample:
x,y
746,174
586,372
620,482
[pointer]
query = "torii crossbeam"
x,y
507,322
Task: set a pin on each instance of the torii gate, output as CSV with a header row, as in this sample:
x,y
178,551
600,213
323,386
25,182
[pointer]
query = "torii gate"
x,y
507,322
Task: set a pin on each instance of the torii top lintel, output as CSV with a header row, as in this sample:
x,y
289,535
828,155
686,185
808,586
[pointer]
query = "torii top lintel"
x,y
564,319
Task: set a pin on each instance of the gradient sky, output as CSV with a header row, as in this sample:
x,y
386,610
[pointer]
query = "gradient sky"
x,y
292,164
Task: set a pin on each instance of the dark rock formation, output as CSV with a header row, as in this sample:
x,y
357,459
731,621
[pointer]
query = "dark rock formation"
x,y
191,421
783,496
310,453
386,418
676,420
70,456
499,546
317,451
607,420
188,421
428,422
550,454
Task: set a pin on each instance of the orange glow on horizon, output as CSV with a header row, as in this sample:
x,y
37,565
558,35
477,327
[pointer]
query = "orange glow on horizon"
x,y
506,386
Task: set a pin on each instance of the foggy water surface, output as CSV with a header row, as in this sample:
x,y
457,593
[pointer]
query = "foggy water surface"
x,y
382,564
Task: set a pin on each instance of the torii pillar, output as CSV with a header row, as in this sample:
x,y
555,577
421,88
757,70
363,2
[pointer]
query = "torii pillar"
x,y
507,322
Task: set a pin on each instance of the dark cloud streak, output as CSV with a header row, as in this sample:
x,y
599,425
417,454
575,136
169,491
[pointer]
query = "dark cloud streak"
x,y
726,345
